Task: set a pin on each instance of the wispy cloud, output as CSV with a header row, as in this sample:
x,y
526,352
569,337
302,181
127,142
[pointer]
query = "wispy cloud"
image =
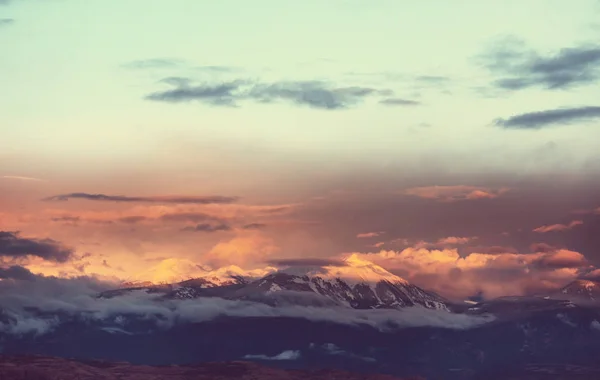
x,y
21,178
285,355
558,227
150,199
15,246
6,21
454,193
399,102
541,119
521,67
153,63
207,227
367,235
314,94
254,226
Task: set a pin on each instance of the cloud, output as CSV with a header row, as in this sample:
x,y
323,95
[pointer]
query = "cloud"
x,y
285,355
16,272
454,240
254,226
12,245
399,102
542,119
558,227
249,247
367,235
206,227
152,199
307,262
520,67
76,298
454,193
21,178
153,63
494,274
6,21
332,349
314,94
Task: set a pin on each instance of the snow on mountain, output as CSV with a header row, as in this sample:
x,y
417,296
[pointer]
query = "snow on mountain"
x,y
358,283
580,290
174,271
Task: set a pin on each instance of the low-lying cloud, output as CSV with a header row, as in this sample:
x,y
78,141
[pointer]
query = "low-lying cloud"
x,y
285,355
38,306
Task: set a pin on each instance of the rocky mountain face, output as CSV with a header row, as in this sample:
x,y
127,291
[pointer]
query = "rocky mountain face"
x,y
49,368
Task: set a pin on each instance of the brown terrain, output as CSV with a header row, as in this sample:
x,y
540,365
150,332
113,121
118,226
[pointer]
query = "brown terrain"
x,y
48,368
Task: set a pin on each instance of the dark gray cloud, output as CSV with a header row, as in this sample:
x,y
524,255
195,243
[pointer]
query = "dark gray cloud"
x,y
399,102
541,119
16,272
12,245
151,199
520,67
314,94
207,227
6,21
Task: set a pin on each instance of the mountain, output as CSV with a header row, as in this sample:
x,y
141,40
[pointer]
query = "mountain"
x,y
580,290
359,284
50,368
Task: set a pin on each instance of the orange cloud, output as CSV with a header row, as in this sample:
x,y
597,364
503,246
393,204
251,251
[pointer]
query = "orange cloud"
x,y
369,235
454,240
244,250
454,193
558,227
446,272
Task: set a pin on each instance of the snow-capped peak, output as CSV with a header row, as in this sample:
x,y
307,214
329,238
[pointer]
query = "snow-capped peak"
x,y
354,271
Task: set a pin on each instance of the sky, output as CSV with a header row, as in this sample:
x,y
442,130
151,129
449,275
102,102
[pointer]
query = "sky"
x,y
453,143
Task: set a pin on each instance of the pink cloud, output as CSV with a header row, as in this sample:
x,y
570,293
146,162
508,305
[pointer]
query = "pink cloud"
x,y
455,193
369,235
558,227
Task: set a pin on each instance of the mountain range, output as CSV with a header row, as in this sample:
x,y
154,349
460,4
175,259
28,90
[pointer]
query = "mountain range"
x,y
353,316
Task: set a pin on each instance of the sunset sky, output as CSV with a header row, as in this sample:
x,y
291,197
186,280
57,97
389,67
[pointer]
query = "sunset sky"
x,y
455,143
